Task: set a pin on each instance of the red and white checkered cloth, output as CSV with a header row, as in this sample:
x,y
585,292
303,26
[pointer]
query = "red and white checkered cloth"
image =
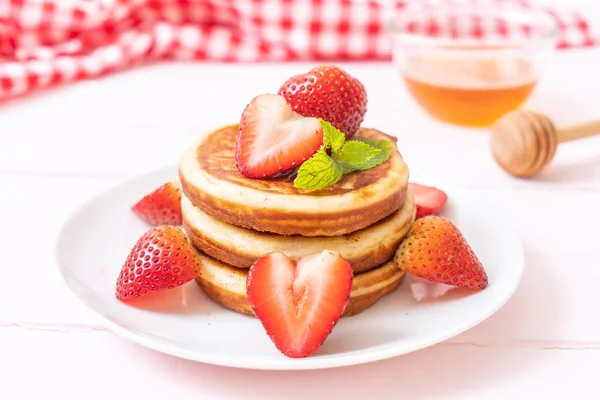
x,y
44,43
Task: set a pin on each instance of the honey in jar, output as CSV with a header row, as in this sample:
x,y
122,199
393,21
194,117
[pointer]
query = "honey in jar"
x,y
469,91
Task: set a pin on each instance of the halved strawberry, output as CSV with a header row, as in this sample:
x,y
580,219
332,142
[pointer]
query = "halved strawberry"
x,y
429,200
436,250
299,303
330,93
162,258
272,138
161,206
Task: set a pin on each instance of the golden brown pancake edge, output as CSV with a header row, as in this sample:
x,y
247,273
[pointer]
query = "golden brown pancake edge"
x,y
380,241
366,196
226,286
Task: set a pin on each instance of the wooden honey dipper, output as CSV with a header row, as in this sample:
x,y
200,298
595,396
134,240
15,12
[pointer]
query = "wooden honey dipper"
x,y
524,142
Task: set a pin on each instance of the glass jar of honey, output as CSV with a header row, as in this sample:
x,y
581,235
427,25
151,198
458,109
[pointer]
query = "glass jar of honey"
x,y
471,63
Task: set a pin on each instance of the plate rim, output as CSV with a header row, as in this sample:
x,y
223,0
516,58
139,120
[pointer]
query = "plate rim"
x,y
285,364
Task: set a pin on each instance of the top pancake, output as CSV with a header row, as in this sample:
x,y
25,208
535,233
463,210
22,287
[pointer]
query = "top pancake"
x,y
211,180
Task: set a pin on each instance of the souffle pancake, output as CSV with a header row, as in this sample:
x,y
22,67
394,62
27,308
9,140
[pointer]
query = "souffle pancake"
x,y
211,180
240,247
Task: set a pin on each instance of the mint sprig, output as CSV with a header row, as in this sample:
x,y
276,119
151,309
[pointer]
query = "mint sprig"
x,y
322,169
318,171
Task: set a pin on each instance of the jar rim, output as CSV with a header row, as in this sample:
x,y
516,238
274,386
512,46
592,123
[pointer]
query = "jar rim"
x,y
420,22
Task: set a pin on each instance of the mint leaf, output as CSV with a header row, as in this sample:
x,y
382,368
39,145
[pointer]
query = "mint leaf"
x,y
322,170
357,153
318,172
385,147
332,138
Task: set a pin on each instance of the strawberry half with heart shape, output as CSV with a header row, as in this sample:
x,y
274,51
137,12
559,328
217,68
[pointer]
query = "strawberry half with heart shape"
x,y
161,206
436,250
428,200
272,138
162,258
299,303
330,93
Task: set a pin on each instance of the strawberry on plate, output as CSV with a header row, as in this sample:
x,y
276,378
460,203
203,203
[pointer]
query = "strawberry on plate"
x,y
299,303
272,138
330,93
436,250
162,258
428,200
161,206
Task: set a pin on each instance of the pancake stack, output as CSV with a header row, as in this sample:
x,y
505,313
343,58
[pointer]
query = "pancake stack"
x,y
234,221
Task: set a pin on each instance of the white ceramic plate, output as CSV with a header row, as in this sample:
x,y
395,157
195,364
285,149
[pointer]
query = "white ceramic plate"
x,y
96,239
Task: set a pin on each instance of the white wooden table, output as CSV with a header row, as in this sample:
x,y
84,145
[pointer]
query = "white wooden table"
x,y
58,149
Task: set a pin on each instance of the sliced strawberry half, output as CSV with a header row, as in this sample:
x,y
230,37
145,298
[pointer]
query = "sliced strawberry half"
x,y
299,303
428,200
272,138
161,206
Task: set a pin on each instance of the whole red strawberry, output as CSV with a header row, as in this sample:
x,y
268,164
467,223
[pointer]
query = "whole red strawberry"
x,y
161,206
162,258
436,250
330,93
